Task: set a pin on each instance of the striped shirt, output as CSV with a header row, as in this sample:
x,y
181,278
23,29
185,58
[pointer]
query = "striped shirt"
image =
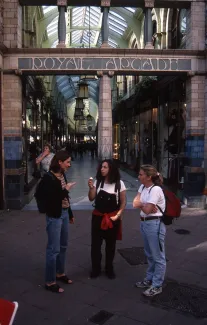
x,y
65,203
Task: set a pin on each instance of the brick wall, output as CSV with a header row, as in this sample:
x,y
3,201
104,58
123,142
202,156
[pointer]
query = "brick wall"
x,y
105,119
12,133
195,38
195,119
12,20
1,21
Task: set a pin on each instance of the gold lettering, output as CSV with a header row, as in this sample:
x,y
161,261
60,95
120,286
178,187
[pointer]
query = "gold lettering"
x,y
48,62
111,62
173,64
138,62
165,64
71,62
125,66
61,61
147,65
37,63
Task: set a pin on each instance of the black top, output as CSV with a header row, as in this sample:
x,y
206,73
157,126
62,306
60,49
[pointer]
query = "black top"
x,y
106,202
53,194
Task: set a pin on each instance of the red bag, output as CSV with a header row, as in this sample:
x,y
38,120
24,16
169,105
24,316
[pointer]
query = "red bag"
x,y
172,209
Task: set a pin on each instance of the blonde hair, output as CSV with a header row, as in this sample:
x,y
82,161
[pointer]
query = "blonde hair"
x,y
152,172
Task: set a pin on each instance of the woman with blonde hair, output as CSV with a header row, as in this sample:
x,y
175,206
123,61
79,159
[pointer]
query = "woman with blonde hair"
x,y
150,199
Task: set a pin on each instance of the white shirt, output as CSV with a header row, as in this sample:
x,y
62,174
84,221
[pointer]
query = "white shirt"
x,y
153,194
109,188
46,161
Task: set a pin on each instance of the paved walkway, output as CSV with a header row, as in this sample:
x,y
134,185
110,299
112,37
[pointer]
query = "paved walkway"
x,y
22,259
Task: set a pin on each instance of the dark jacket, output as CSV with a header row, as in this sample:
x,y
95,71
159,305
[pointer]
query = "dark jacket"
x,y
53,194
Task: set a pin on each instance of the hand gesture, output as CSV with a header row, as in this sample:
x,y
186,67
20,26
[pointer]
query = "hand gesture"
x,y
90,183
116,217
46,152
69,186
136,202
154,209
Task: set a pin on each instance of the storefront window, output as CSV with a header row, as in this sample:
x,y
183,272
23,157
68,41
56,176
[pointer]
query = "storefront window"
x,y
182,28
116,142
179,27
172,140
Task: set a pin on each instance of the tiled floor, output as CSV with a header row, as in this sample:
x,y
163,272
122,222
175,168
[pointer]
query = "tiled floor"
x,y
80,172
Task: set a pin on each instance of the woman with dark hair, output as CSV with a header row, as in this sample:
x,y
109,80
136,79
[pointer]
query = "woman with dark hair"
x,y
55,190
109,193
150,199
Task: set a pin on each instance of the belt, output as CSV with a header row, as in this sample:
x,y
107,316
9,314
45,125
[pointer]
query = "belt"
x,y
150,218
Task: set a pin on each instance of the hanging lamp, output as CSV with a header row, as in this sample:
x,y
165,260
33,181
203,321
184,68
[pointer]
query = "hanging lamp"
x,y
83,90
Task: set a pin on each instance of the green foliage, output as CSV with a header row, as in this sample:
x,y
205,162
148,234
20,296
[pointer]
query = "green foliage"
x,y
145,86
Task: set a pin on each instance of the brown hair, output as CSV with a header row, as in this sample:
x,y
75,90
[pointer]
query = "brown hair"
x,y
47,145
156,177
61,155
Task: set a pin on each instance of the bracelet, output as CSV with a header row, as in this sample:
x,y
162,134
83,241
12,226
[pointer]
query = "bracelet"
x,y
91,187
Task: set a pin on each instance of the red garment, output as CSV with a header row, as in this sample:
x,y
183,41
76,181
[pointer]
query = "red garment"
x,y
107,223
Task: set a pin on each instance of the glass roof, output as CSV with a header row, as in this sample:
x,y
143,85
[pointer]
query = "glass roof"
x,y
84,26
84,30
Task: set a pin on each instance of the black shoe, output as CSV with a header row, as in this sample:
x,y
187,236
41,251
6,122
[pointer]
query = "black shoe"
x,y
94,274
111,275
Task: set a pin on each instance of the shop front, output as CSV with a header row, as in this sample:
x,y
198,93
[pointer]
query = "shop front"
x,y
153,131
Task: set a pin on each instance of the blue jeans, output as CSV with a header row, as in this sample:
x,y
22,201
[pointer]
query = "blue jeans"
x,y
153,233
57,231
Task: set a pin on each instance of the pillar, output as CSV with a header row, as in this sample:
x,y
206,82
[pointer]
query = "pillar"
x,y
12,23
195,38
149,4
195,135
105,141
62,8
196,132
105,6
12,133
205,138
1,21
12,111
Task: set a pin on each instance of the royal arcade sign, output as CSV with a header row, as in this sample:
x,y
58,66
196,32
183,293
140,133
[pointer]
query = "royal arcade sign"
x,y
93,64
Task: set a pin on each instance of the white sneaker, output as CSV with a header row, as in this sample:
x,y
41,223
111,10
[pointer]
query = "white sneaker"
x,y
152,291
143,284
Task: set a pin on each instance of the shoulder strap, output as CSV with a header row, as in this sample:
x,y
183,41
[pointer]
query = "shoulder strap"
x,y
98,183
51,175
117,186
149,190
65,178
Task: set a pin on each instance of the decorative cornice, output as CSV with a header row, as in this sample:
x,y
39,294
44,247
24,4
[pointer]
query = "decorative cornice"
x,y
99,74
111,74
18,72
149,3
105,3
62,3
191,73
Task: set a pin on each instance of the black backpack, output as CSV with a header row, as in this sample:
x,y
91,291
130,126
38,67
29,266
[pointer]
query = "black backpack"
x,y
40,195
